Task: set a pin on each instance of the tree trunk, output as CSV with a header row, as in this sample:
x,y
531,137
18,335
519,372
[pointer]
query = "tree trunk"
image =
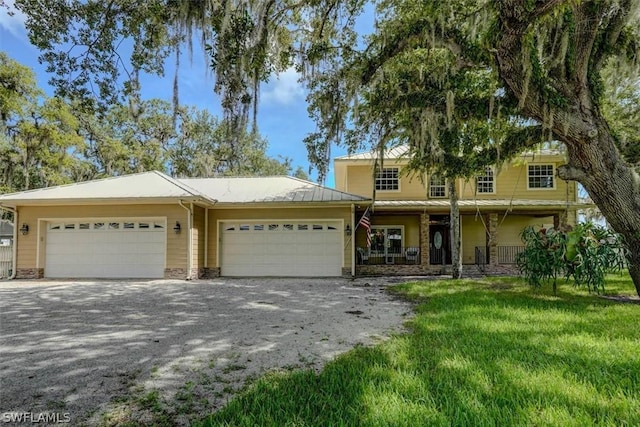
x,y
594,160
456,254
614,187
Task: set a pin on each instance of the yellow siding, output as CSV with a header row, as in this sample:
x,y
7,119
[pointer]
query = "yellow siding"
x,y
509,230
198,237
215,215
511,182
28,245
473,234
359,180
411,224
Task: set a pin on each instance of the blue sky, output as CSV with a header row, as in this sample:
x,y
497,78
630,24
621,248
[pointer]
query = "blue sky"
x,y
282,114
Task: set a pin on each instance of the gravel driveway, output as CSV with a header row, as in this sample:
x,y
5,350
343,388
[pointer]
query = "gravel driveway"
x,y
106,352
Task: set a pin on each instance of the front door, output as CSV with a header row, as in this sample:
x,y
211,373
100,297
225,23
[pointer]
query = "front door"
x,y
440,244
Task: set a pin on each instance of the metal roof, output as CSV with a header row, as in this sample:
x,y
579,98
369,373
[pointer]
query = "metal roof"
x,y
393,153
156,185
274,189
146,185
402,152
484,203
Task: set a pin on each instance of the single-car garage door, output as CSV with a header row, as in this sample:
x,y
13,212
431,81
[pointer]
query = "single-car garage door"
x,y
281,248
106,248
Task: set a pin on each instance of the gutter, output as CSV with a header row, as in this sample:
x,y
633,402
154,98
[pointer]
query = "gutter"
x,y
14,261
189,238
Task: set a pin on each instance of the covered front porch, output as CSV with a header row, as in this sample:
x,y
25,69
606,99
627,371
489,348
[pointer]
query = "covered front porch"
x,y
416,240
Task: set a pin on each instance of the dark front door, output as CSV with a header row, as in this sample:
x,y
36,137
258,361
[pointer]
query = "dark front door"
x,y
440,244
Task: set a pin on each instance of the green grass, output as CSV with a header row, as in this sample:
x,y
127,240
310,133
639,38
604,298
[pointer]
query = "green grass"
x,y
488,352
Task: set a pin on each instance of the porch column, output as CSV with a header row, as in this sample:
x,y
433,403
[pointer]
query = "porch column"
x,y
560,220
493,239
424,239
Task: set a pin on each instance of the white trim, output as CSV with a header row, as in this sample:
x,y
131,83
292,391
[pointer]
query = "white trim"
x,y
206,237
386,227
446,187
189,238
39,236
553,176
251,221
353,241
44,230
375,179
494,181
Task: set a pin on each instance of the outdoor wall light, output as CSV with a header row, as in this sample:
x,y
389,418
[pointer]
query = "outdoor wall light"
x,y
347,230
177,228
24,229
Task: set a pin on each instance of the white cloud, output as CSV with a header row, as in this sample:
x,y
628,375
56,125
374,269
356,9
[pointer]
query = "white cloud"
x,y
12,20
284,89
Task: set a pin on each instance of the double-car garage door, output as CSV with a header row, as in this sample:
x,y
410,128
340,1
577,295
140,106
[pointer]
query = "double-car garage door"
x,y
106,248
281,248
112,248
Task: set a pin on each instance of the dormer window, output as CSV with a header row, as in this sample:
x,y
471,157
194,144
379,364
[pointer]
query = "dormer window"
x,y
485,183
437,187
387,179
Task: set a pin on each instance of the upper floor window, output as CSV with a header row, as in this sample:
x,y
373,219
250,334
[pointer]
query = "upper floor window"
x,y
540,176
485,183
388,179
437,186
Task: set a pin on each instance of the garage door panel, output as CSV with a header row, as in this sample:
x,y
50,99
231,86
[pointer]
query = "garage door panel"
x,y
281,248
112,250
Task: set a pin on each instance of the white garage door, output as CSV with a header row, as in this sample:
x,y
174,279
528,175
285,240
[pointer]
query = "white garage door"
x,y
281,248
106,249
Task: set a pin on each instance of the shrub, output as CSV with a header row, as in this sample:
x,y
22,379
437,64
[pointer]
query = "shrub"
x,y
583,254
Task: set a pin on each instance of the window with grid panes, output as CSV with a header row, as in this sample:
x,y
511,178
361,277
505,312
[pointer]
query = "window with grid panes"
x,y
540,176
437,186
485,183
387,179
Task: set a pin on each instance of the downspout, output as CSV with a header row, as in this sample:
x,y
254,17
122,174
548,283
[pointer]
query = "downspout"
x,y
189,238
353,240
206,238
14,261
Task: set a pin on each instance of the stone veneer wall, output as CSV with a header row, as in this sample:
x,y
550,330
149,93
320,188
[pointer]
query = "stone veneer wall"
x,y
210,273
29,273
175,273
432,270
401,270
424,239
493,239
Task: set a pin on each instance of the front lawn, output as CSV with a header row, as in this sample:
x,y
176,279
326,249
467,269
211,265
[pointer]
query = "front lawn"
x,y
479,352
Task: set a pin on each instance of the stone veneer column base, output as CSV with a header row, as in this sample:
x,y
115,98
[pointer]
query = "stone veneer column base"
x,y
210,272
175,273
493,239
402,270
29,273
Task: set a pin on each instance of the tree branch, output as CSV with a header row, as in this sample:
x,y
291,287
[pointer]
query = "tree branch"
x,y
571,173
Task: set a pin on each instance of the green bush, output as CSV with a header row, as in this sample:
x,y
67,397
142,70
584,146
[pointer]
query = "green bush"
x,y
583,254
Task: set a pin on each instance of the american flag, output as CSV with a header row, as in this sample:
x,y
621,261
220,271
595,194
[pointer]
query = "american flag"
x,y
365,221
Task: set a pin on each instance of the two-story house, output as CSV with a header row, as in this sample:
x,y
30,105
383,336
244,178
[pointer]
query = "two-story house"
x,y
410,217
